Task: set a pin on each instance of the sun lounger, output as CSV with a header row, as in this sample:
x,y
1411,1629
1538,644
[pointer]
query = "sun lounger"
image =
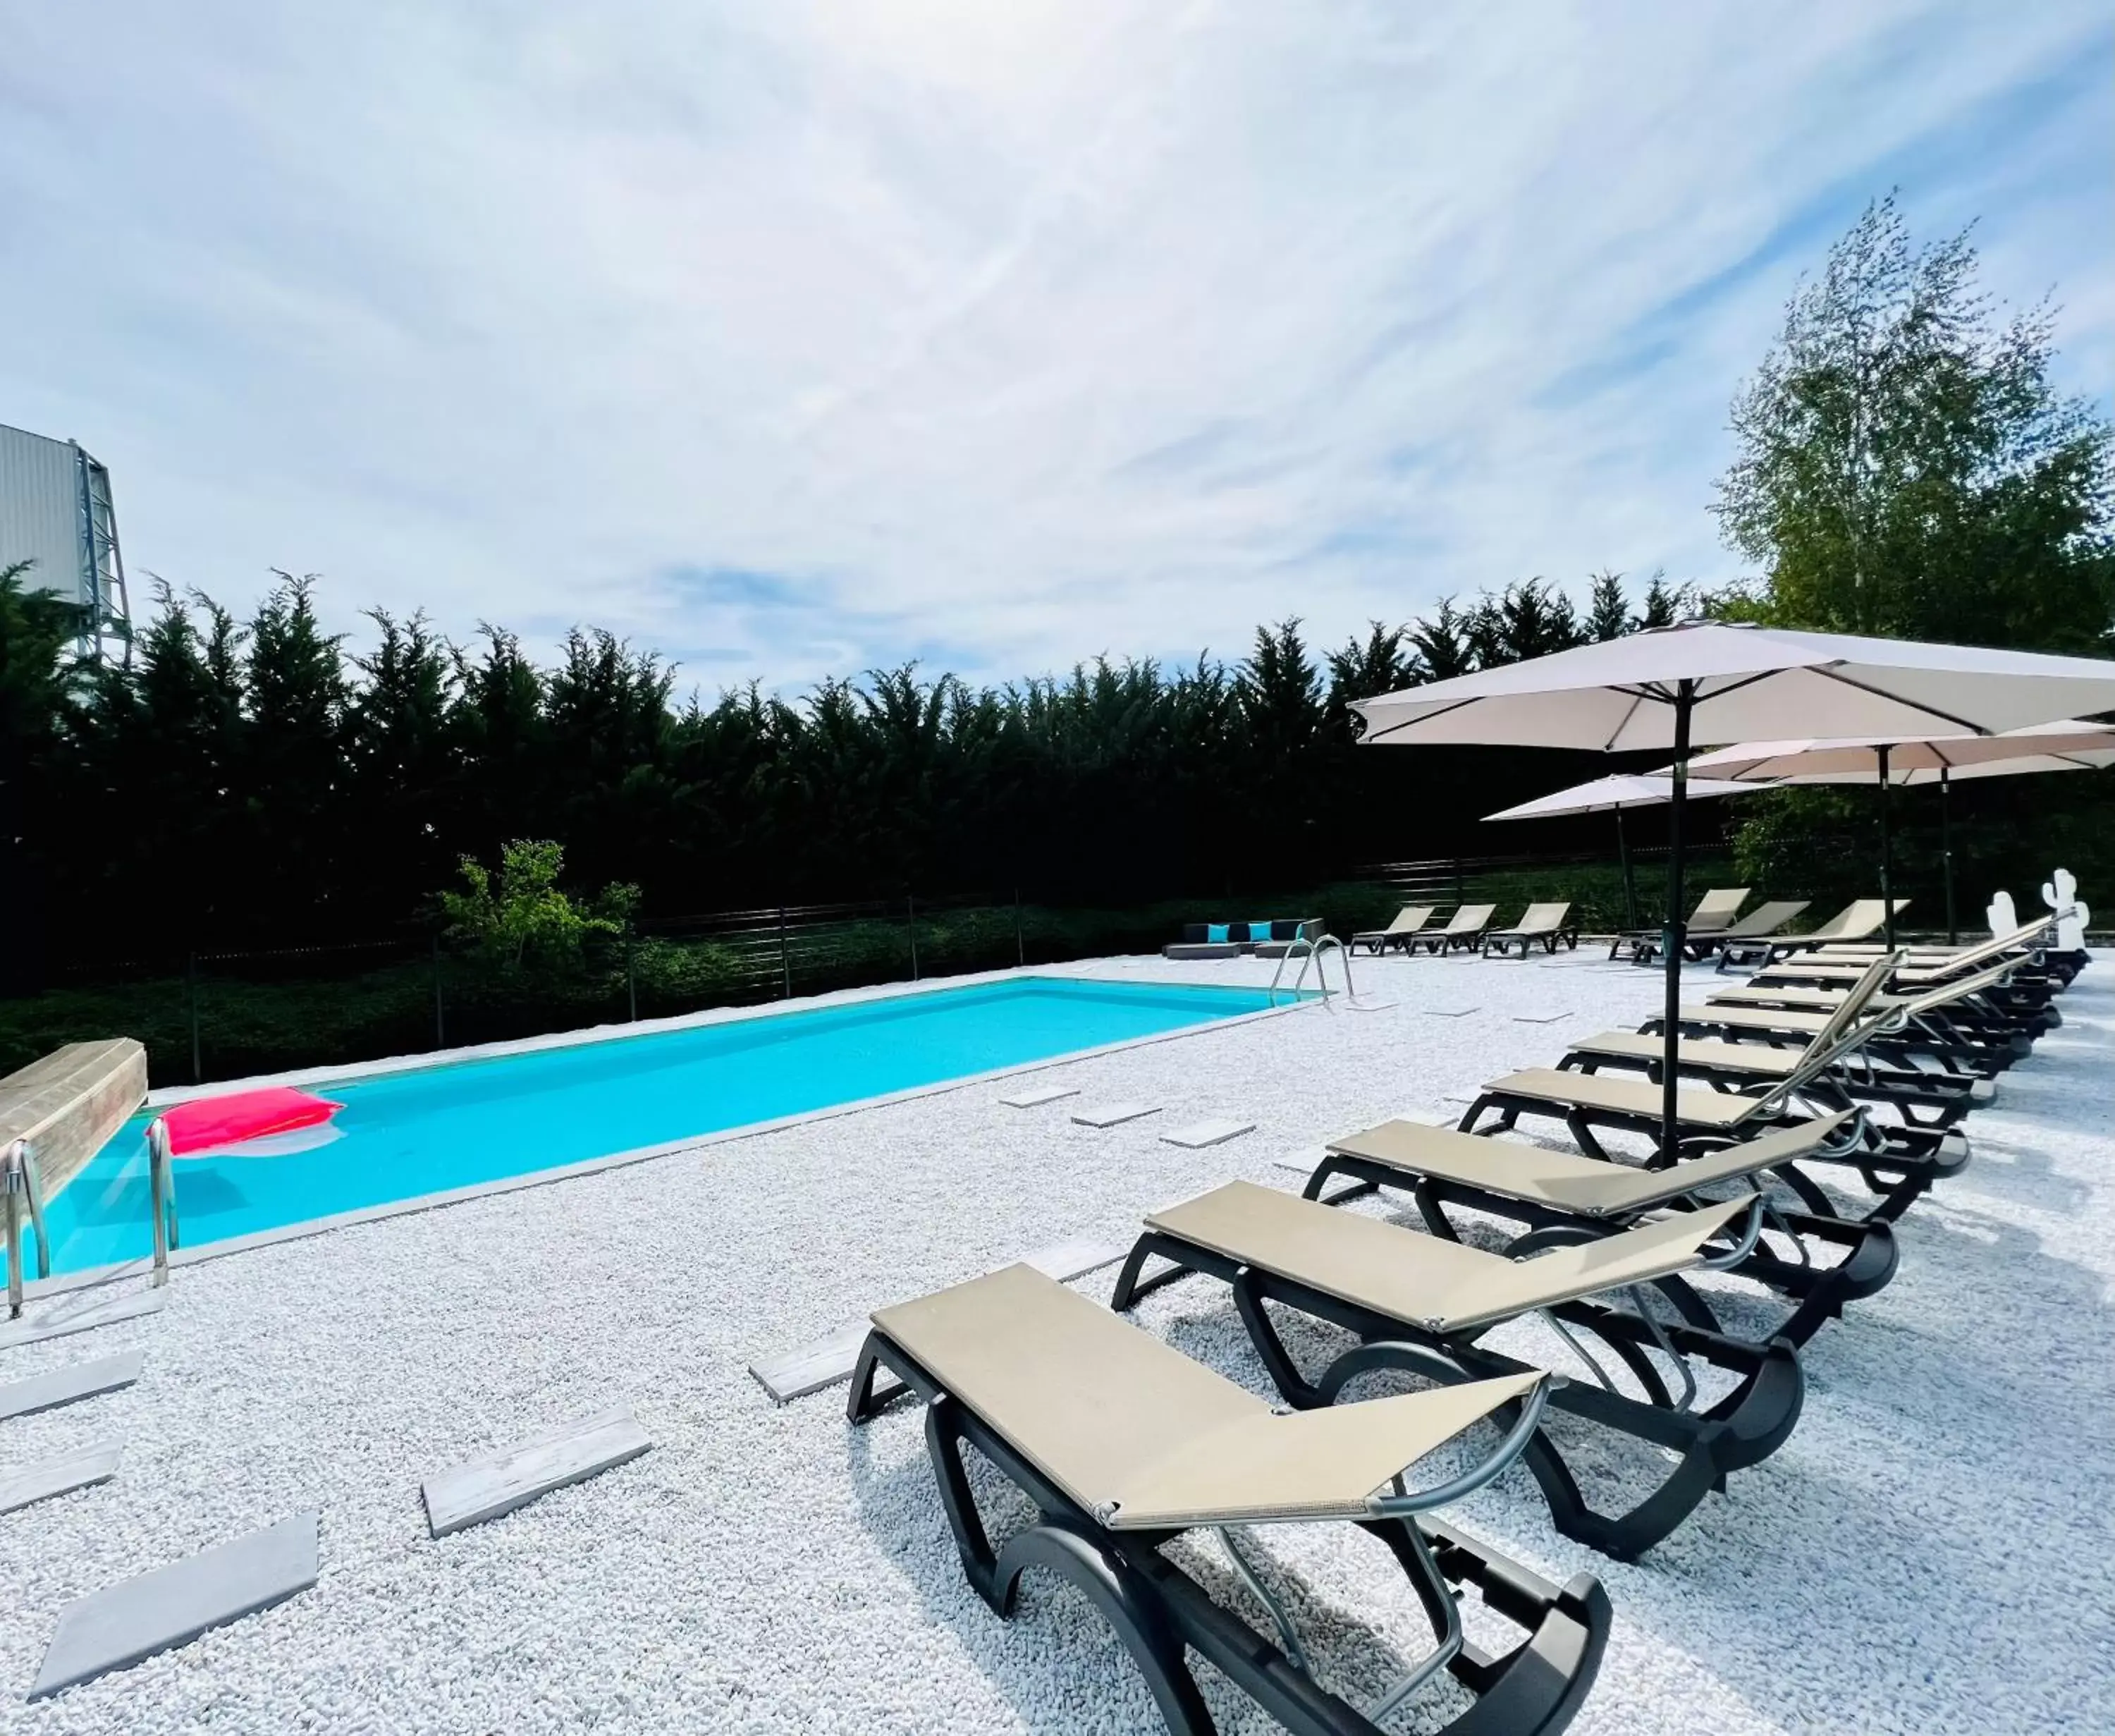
x,y
1123,1444
1420,1304
1409,920
1896,1161
1562,1195
2017,947
1937,1025
1544,925
1713,913
1865,1078
1993,1009
1465,928
1856,920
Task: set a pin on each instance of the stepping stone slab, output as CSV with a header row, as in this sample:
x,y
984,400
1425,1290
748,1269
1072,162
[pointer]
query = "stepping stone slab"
x,y
807,1368
66,1319
1114,1114
1041,1094
1447,1012
47,1392
49,1477
1539,1018
121,1624
1302,1162
1201,1133
485,1488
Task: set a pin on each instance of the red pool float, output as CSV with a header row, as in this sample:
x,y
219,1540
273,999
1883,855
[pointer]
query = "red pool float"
x,y
204,1122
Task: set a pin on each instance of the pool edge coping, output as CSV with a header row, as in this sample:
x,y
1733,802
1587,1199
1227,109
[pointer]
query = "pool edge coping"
x,y
348,1073
62,1283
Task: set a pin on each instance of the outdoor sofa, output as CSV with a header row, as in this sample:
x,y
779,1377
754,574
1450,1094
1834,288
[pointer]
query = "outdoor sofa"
x,y
1234,940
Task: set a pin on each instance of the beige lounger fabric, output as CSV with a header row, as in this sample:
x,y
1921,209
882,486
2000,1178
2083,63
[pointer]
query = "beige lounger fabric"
x,y
1721,1111
1570,1181
1786,1020
1470,919
1791,994
1715,909
1853,922
1762,919
1758,1059
1439,1284
1118,1420
1911,974
1542,919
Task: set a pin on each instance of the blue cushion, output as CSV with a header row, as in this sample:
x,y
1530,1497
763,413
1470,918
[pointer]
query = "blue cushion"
x,y
1259,930
1215,933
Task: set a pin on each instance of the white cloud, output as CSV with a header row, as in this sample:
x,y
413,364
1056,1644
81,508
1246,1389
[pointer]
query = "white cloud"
x,y
1005,334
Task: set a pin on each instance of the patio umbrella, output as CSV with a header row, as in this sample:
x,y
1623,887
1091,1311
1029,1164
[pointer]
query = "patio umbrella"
x,y
1712,682
1604,795
2069,744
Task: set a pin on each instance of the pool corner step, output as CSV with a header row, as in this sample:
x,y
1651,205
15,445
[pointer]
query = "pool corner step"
x,y
61,1475
67,1385
787,1375
1200,1134
57,1322
136,1618
1114,1114
468,1495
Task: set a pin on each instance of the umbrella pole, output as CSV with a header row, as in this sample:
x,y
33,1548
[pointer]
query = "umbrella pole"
x,y
1946,852
1675,935
1886,856
1630,889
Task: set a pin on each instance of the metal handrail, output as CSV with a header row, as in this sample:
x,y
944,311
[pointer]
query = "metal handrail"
x,y
1311,953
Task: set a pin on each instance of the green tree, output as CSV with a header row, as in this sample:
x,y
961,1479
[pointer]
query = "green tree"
x,y
35,686
521,916
1906,468
1608,608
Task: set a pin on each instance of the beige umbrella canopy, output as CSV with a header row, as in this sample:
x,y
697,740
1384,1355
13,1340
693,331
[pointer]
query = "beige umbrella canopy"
x,y
1613,795
1711,683
2068,745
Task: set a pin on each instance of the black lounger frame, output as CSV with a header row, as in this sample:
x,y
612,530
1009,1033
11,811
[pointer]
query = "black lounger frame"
x,y
1899,1164
1870,1260
1157,1610
1744,1428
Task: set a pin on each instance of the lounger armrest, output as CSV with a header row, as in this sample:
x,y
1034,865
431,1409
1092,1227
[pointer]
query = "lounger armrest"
x,y
1291,1467
1561,1274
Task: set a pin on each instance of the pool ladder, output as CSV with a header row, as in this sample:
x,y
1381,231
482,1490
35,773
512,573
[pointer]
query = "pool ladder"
x,y
22,1194
1313,953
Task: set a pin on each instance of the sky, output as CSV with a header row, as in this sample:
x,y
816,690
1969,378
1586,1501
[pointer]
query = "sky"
x,y
792,340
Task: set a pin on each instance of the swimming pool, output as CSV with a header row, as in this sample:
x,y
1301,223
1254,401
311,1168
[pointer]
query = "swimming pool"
x,y
429,1129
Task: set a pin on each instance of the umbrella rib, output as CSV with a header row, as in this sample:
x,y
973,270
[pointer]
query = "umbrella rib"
x,y
1833,674
1622,723
1427,718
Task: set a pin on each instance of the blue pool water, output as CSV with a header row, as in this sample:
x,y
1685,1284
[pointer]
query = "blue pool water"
x,y
403,1135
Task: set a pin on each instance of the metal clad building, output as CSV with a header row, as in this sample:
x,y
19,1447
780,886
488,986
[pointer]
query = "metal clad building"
x,y
56,511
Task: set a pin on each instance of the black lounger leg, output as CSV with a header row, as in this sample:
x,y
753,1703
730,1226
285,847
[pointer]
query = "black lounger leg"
x,y
1125,1601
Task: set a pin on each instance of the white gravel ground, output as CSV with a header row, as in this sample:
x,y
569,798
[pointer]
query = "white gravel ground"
x,y
1930,1553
